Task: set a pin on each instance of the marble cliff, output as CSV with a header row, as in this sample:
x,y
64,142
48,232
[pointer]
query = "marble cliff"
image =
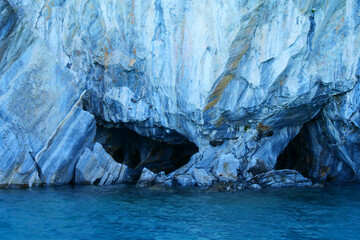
x,y
179,92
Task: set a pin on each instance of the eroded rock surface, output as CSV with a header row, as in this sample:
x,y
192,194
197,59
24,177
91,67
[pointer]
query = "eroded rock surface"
x,y
238,79
97,167
281,178
147,178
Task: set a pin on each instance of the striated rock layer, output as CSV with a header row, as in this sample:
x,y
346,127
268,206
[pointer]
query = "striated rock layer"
x,y
253,86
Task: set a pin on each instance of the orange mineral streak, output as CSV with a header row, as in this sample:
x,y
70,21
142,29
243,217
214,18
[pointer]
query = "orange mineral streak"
x,y
107,56
262,127
218,91
49,10
131,15
238,49
132,62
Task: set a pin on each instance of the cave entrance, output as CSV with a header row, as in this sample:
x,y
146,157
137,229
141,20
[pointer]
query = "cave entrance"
x,y
136,151
311,155
296,155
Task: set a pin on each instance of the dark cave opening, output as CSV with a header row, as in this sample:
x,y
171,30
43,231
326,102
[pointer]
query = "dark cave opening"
x,y
118,155
296,156
315,155
136,151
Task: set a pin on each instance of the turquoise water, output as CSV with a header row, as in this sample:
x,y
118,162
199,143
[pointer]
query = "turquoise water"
x,y
118,212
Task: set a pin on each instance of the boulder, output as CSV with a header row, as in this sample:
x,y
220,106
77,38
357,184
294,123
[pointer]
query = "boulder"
x,y
202,178
282,178
227,168
160,178
97,167
185,180
147,178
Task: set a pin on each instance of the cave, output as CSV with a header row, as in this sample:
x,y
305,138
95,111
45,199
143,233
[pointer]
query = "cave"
x,y
321,165
136,151
297,155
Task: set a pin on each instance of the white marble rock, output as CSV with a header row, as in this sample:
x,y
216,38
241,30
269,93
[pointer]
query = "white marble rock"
x,y
248,74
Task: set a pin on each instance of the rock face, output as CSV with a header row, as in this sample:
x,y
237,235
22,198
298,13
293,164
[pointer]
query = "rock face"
x,y
15,156
71,138
97,167
332,141
244,81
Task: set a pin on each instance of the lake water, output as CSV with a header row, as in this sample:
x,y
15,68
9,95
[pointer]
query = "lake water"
x,y
119,212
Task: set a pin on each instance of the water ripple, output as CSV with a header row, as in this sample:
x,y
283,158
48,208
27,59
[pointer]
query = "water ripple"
x,y
117,212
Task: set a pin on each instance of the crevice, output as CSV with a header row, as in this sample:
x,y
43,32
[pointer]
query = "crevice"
x,y
136,151
38,168
97,181
311,32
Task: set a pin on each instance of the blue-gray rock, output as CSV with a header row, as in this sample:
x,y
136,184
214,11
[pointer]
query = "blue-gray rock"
x,y
240,79
45,130
147,178
185,180
202,177
17,168
328,147
253,186
281,178
227,168
97,167
168,183
160,178
58,157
